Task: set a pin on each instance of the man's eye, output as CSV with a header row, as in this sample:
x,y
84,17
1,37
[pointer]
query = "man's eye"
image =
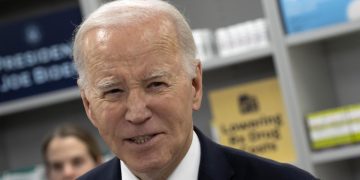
x,y
113,91
157,84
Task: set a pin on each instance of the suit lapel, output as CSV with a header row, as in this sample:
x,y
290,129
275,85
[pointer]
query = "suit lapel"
x,y
115,172
214,164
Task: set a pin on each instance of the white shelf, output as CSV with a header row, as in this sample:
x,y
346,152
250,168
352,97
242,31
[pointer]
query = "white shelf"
x,y
39,100
323,33
339,153
218,62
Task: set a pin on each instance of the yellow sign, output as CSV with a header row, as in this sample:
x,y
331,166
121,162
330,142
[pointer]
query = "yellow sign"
x,y
251,117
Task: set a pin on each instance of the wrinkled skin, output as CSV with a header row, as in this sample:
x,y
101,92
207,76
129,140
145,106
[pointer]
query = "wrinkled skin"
x,y
140,97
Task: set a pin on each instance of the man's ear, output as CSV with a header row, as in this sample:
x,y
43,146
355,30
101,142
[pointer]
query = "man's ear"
x,y
87,106
197,87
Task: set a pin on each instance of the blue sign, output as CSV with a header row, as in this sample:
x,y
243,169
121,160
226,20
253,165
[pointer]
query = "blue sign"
x,y
36,54
303,15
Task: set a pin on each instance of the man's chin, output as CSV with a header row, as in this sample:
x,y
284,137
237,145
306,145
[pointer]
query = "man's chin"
x,y
147,166
146,172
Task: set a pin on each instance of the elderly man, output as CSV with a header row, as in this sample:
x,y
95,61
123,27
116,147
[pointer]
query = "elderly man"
x,y
140,82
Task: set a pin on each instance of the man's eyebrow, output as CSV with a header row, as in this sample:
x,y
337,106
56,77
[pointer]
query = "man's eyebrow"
x,y
157,74
107,82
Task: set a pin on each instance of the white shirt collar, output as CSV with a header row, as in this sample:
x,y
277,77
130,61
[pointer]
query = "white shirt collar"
x,y
187,169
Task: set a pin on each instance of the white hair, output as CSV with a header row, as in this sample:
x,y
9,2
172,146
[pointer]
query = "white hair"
x,y
121,13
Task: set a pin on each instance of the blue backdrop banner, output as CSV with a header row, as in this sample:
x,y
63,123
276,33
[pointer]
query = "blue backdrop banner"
x,y
36,54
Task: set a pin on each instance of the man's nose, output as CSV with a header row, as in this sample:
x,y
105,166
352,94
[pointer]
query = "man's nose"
x,y
137,110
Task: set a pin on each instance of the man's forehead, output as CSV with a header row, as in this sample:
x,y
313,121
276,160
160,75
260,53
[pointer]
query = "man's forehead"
x,y
110,45
155,29
132,47
101,35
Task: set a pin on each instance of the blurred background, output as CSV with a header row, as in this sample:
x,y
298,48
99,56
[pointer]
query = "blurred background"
x,y
281,79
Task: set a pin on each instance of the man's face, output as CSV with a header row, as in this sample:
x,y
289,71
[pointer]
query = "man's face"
x,y
68,158
140,97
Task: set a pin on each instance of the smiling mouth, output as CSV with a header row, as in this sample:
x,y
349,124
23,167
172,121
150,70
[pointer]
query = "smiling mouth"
x,y
141,139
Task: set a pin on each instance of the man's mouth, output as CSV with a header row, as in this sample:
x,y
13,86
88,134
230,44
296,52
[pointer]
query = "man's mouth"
x,y
142,139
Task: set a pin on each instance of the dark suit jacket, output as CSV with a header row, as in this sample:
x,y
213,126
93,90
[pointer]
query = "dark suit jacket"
x,y
218,163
